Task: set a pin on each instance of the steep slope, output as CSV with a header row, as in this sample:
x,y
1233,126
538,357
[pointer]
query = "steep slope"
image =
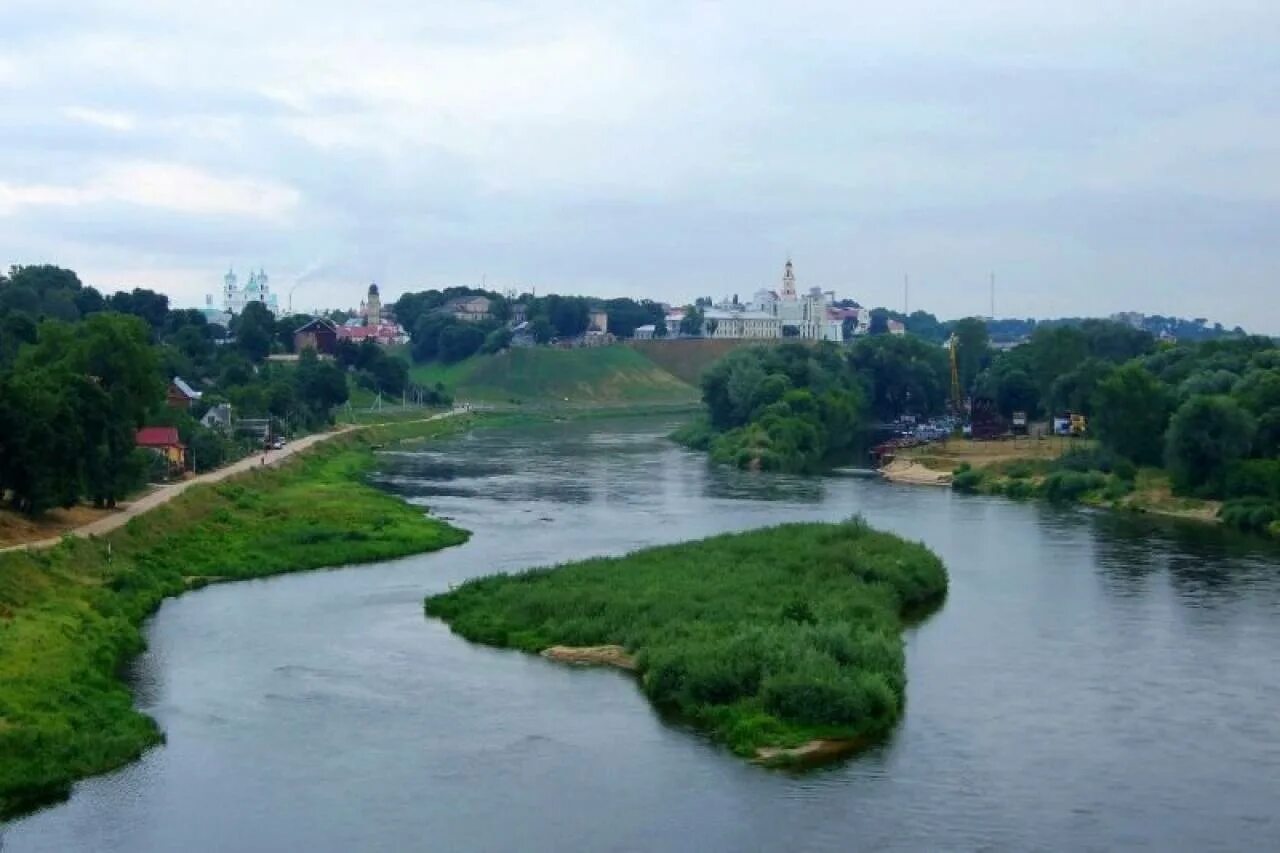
x,y
687,358
605,375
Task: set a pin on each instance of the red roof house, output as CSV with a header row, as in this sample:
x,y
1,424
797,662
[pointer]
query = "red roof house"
x,y
163,440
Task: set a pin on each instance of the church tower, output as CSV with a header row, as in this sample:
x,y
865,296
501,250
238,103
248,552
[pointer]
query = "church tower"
x,y
230,290
373,307
788,282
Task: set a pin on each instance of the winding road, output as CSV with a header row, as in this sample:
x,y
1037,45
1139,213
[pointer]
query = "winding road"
x,y
165,493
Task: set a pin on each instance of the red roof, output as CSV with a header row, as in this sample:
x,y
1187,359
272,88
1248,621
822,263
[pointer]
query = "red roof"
x,y
157,437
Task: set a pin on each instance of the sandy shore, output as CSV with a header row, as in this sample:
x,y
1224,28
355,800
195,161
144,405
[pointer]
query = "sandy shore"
x,y
592,656
813,751
906,471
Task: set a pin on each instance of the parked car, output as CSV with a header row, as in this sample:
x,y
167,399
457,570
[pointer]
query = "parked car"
x,y
278,444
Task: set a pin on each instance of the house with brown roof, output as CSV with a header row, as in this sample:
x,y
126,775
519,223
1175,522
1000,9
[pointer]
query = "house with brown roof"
x,y
180,395
319,335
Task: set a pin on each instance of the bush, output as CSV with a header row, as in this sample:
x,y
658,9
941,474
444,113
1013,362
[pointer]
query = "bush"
x,y
1084,459
1257,478
1019,489
1255,515
966,479
1070,486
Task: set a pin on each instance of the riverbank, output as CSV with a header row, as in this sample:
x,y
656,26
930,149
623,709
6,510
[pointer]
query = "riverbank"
x,y
1062,470
71,615
767,640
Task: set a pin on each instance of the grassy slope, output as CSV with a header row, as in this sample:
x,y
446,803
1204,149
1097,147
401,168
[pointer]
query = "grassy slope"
x,y
767,638
71,616
599,375
687,358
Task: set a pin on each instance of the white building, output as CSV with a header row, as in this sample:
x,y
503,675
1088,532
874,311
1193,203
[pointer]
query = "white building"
x,y
773,314
235,298
719,323
805,317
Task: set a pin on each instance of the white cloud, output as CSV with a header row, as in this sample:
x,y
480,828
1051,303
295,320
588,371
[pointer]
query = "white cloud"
x,y
101,118
166,186
1085,151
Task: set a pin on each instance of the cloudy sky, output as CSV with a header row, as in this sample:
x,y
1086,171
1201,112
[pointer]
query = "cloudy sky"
x,y
1096,157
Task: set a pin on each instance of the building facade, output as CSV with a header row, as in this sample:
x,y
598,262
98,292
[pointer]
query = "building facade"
x,y
257,289
721,323
785,313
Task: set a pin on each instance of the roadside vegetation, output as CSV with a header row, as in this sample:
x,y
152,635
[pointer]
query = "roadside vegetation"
x,y
771,638
81,372
71,616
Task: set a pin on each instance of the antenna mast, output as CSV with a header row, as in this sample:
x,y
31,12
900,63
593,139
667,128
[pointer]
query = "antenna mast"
x,y
993,296
906,294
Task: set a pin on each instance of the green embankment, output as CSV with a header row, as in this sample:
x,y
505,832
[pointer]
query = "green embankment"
x,y
768,639
601,375
71,616
688,358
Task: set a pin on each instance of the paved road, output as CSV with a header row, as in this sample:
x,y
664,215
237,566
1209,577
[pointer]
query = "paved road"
x,y
166,493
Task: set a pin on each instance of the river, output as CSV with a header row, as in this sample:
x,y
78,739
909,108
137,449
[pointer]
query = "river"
x,y
1093,682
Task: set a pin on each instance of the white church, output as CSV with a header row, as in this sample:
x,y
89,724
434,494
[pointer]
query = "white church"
x,y
777,314
256,289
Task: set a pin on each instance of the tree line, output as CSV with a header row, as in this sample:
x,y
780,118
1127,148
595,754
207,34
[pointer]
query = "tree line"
x,y
81,372
436,335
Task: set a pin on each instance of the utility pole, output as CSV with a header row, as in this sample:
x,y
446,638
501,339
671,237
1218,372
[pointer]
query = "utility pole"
x,y
993,296
906,294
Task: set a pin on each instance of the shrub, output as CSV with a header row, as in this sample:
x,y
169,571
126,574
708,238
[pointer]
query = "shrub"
x,y
967,479
1256,515
1084,459
1258,478
1019,489
1069,486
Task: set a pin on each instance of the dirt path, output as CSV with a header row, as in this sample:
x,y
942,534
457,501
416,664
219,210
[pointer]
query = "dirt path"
x,y
164,494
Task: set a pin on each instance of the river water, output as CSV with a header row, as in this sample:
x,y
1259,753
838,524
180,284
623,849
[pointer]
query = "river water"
x,y
1093,682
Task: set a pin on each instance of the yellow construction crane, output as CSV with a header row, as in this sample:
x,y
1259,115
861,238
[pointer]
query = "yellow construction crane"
x,y
953,346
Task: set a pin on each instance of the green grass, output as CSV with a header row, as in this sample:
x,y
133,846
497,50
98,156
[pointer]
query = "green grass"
x,y
71,616
600,375
770,638
688,358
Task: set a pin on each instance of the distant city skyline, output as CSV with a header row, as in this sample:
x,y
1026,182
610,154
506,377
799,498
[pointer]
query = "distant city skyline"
x,y
1096,158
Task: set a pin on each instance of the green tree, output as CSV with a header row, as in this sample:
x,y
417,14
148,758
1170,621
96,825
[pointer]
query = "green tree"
x,y
691,323
1076,391
1206,435
320,385
1259,392
905,375
1131,412
254,330
542,330
460,341
972,349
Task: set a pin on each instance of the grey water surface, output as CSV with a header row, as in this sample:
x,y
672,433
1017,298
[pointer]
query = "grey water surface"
x,y
1093,682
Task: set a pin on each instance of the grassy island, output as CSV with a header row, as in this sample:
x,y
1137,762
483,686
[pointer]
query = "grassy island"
x,y
71,616
766,640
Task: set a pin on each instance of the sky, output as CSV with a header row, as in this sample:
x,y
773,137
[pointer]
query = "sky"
x,y
1095,157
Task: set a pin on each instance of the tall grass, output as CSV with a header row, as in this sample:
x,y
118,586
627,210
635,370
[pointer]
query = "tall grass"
x,y
767,638
71,616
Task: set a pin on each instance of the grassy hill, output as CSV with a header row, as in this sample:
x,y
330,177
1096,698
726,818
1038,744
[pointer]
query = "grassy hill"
x,y
543,375
687,358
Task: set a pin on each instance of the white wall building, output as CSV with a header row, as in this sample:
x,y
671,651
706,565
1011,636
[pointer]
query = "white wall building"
x,y
719,323
257,289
